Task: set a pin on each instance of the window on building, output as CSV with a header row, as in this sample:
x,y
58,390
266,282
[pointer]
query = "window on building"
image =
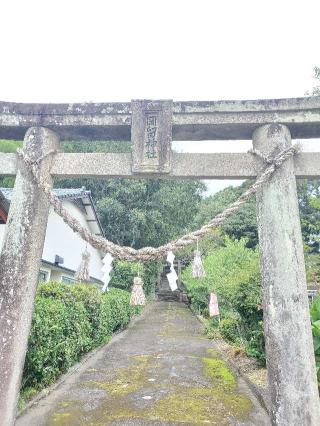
x,y
68,280
43,276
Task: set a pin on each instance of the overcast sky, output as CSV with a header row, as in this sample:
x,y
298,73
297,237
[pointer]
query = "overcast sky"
x,y
117,50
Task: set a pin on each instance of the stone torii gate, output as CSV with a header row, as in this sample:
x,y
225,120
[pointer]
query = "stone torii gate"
x,y
151,125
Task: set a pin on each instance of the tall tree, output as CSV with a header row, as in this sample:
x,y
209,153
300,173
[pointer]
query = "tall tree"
x,y
309,200
242,224
138,212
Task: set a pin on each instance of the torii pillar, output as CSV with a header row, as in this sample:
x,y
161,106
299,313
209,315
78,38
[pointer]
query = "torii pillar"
x,y
19,266
289,346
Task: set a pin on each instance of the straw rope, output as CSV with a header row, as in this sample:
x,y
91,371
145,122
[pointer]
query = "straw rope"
x,y
154,253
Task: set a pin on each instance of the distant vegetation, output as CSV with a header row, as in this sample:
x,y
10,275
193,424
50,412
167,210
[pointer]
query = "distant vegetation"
x,y
9,146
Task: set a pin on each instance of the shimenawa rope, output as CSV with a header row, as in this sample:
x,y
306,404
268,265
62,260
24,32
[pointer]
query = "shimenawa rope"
x,y
152,253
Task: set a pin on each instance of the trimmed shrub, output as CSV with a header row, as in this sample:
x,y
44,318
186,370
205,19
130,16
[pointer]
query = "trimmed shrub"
x,y
69,321
117,302
59,335
315,324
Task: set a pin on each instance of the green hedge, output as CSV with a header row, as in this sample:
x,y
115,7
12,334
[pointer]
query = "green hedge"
x,y
124,272
69,321
315,324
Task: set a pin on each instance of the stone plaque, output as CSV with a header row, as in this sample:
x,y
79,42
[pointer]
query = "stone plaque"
x,y
151,136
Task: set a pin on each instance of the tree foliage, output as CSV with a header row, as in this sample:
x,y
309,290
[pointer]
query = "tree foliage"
x,y
309,203
148,212
138,212
242,224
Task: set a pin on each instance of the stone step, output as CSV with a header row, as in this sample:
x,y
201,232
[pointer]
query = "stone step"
x,y
162,298
164,292
170,296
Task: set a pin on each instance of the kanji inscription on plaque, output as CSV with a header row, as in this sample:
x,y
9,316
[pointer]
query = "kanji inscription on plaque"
x,y
151,136
151,129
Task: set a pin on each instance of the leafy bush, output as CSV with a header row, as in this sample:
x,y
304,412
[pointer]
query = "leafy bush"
x,y
117,302
256,342
232,272
150,274
247,303
229,330
68,321
315,324
211,328
124,272
226,268
60,333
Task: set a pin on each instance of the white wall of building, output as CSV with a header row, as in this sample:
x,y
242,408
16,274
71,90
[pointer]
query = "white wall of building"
x,y
62,241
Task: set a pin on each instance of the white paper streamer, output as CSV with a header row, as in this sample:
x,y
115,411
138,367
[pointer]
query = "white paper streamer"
x,y
106,269
172,276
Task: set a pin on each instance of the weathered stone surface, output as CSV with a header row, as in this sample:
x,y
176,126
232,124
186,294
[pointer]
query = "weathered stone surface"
x,y
184,165
289,347
191,120
151,136
19,268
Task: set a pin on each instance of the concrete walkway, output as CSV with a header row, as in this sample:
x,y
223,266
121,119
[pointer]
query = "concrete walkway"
x,y
161,371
